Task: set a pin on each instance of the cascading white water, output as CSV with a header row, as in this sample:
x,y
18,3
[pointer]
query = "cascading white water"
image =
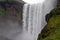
x,y
34,17
26,22
25,11
34,26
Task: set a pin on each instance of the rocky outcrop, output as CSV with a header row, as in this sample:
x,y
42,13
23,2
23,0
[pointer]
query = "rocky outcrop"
x,y
12,9
10,19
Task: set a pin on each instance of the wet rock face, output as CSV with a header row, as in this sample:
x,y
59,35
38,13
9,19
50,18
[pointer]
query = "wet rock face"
x,y
11,10
12,7
11,21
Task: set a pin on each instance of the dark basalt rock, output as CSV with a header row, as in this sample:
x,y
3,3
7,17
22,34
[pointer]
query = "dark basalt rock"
x,y
12,10
11,6
10,19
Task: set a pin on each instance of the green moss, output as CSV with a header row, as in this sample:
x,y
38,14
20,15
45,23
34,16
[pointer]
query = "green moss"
x,y
52,30
2,11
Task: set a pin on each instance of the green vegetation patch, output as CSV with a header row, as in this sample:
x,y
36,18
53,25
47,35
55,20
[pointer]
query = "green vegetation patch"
x,y
51,31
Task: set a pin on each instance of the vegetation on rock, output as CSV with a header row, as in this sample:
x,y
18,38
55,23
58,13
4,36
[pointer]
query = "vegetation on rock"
x,y
55,11
51,31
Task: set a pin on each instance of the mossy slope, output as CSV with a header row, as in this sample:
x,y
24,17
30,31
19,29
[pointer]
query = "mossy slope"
x,y
51,31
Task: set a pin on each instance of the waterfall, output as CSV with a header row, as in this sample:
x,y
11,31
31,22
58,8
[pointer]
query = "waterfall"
x,y
34,25
32,19
25,11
